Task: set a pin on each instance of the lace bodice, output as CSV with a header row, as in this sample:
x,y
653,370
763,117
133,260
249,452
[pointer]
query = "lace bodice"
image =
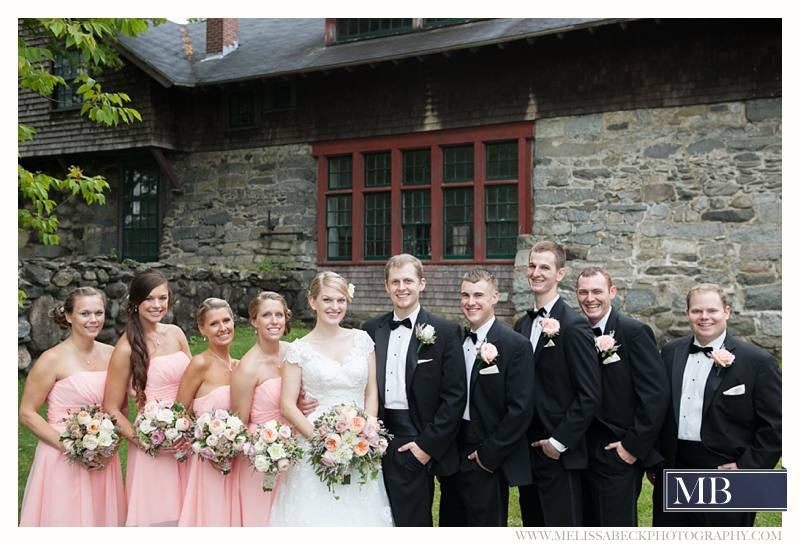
x,y
329,382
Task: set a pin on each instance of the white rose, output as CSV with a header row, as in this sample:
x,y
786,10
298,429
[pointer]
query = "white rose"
x,y
229,434
276,451
146,426
150,410
165,415
197,447
171,434
283,464
260,446
69,444
84,418
104,438
203,419
182,423
235,424
90,442
107,424
212,440
262,463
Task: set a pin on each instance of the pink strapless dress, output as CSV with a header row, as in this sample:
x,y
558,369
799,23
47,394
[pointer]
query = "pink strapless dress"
x,y
253,503
156,486
60,494
210,495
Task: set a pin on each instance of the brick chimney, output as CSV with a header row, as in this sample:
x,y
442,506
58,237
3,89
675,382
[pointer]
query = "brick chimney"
x,y
222,36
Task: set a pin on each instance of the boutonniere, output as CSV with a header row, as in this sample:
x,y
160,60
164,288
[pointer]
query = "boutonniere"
x,y
607,347
426,334
722,359
550,328
487,353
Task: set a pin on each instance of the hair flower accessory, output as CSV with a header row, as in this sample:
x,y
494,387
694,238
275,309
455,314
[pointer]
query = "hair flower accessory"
x,y
351,289
722,359
607,347
426,334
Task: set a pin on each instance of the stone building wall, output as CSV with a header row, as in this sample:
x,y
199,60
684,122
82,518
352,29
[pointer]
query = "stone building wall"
x,y
47,282
665,199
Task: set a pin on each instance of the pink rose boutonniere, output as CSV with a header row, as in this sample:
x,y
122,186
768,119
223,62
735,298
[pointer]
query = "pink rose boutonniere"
x,y
487,353
550,328
607,347
722,359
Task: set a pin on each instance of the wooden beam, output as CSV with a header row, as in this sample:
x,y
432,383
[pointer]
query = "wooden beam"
x,y
164,164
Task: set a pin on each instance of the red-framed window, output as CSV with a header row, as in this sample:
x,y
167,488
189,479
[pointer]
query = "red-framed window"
x,y
444,196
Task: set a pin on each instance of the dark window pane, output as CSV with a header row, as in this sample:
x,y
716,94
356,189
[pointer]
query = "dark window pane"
x,y
282,95
417,167
417,223
377,225
242,109
459,164
340,172
339,225
140,218
458,220
501,161
362,28
501,220
378,169
68,67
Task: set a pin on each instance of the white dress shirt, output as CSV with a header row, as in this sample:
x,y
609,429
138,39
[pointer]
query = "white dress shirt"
x,y
396,352
698,366
536,326
471,353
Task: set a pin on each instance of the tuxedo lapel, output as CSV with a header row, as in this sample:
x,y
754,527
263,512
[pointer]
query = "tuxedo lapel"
x,y
491,337
678,367
714,380
412,356
381,349
557,313
611,324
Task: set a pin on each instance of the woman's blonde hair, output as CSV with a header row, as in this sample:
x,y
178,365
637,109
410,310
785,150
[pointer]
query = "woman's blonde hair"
x,y
329,279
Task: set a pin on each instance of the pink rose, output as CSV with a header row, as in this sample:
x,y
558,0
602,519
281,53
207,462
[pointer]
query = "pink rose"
x,y
328,459
488,352
206,453
722,357
283,464
550,327
157,438
604,343
285,432
341,425
221,414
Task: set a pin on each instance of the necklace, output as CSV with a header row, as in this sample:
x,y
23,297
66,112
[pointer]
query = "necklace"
x,y
79,352
157,339
273,358
228,363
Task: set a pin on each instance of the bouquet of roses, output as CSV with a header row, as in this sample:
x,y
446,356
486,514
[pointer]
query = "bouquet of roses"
x,y
91,436
219,436
162,424
346,438
271,449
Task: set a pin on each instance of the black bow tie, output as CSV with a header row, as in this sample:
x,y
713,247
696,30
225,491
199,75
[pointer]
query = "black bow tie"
x,y
404,322
534,313
470,335
597,331
707,350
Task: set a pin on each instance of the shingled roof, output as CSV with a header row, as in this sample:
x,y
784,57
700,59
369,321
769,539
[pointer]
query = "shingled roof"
x,y
174,54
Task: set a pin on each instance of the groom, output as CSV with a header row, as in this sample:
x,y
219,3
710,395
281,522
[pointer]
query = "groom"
x,y
422,388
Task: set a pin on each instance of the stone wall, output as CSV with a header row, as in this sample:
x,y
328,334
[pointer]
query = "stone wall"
x,y
48,282
665,199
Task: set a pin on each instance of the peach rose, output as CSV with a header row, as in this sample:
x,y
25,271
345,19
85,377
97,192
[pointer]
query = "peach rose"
x,y
356,424
550,327
722,357
84,418
361,447
269,435
604,343
488,352
332,442
216,427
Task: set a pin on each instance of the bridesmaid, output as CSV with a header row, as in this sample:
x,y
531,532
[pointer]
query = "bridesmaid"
x,y
147,364
255,395
206,384
70,376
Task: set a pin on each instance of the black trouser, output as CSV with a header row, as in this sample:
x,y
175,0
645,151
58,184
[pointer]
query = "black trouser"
x,y
554,498
611,487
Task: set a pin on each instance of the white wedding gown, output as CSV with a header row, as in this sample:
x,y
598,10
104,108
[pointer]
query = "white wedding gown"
x,y
302,499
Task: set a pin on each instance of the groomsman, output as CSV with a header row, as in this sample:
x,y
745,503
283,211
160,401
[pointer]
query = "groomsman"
x,y
492,446
635,389
725,405
422,386
566,395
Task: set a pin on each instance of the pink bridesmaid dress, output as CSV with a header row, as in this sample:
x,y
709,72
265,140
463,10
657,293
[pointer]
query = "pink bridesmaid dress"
x,y
253,503
209,494
156,485
60,494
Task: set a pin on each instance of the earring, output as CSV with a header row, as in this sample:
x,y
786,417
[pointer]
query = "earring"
x,y
204,339
135,309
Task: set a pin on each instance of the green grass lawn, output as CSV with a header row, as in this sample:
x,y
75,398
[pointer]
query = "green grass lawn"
x,y
244,339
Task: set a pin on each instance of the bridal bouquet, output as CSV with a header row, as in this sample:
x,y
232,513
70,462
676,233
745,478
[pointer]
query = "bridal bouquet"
x,y
91,436
271,449
161,425
345,439
219,436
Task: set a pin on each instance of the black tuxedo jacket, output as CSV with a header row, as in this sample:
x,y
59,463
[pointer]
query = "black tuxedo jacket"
x,y
566,390
743,428
436,389
635,389
501,405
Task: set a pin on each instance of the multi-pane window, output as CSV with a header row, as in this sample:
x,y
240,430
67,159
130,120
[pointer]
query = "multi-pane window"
x,y
242,108
68,67
448,195
140,216
348,29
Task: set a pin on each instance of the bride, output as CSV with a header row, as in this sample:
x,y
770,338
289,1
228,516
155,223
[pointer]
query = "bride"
x,y
334,365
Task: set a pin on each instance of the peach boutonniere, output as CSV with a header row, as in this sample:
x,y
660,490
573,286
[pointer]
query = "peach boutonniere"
x,y
487,353
607,347
722,359
550,328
